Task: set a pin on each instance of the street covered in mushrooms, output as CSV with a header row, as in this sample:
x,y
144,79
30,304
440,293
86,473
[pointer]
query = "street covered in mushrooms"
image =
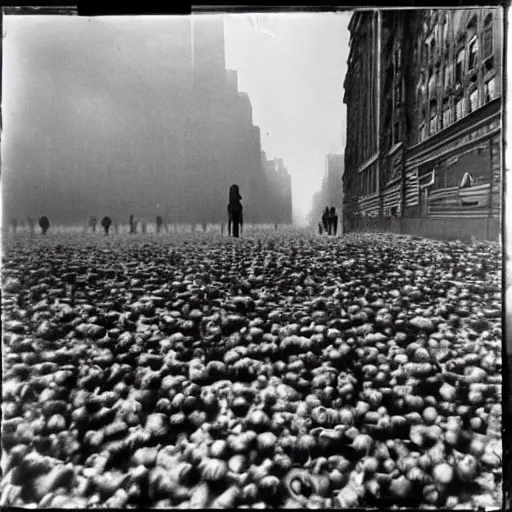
x,y
281,369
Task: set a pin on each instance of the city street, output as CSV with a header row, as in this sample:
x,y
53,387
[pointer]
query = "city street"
x,y
281,369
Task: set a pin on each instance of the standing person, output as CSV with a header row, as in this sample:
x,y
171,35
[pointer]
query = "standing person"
x,y
333,221
106,223
325,219
235,210
132,225
159,222
44,224
320,228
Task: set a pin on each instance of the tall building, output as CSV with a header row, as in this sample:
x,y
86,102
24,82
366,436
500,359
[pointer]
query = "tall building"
x,y
222,118
178,160
278,186
333,185
423,150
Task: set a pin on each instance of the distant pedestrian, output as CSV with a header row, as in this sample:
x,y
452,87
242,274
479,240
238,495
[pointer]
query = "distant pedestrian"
x,y
325,219
333,221
44,224
106,222
275,227
133,225
320,228
159,222
235,211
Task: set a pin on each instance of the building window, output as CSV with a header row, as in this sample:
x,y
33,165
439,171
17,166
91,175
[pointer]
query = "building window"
x,y
471,30
490,90
459,67
487,46
446,117
446,40
426,55
432,85
433,124
459,109
423,132
432,47
447,76
473,100
473,49
396,132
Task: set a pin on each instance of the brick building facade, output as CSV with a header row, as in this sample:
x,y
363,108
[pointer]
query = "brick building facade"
x,y
423,148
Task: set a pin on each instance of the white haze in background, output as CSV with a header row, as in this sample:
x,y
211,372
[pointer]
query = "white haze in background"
x,y
292,67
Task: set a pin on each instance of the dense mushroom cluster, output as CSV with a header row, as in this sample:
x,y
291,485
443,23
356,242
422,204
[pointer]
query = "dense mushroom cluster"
x,y
278,370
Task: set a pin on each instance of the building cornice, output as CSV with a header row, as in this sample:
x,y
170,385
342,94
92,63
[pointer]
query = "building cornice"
x,y
368,162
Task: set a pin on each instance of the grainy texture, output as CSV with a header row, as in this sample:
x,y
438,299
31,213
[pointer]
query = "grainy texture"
x,y
280,369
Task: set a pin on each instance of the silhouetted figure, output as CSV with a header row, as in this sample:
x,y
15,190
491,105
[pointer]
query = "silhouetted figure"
x,y
106,222
235,210
31,225
14,225
275,227
333,221
320,228
44,224
159,222
92,224
325,219
133,225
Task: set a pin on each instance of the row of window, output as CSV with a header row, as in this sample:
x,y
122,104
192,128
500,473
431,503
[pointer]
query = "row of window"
x,y
466,62
367,181
363,106
462,107
443,36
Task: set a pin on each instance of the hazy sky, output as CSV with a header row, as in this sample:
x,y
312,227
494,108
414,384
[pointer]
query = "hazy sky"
x,y
78,91
293,70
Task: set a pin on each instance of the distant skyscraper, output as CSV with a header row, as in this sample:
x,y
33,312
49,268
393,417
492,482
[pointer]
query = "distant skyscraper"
x,y
208,47
278,199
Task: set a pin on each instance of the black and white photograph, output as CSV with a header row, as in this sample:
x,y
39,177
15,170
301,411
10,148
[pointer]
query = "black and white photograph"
x,y
254,259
